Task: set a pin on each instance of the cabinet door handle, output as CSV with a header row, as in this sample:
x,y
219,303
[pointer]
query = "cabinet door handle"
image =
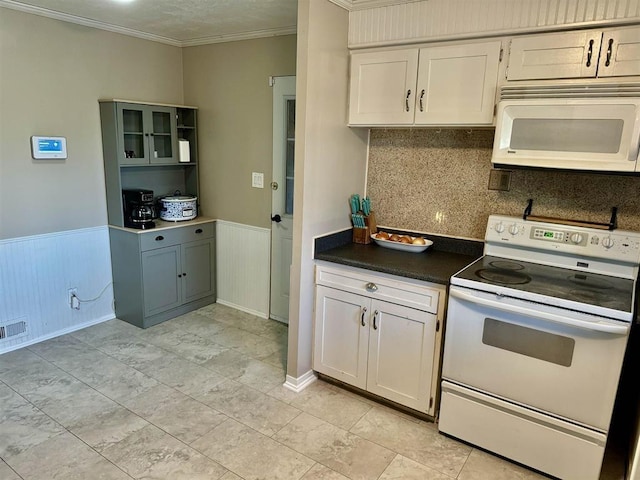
x,y
375,315
371,287
159,238
609,53
179,276
421,97
590,53
199,230
184,274
364,310
406,101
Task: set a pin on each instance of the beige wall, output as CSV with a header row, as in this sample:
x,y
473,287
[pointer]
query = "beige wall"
x,y
436,181
330,159
229,84
52,74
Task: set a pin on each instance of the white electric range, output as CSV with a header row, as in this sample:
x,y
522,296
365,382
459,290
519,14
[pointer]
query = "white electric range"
x,y
535,340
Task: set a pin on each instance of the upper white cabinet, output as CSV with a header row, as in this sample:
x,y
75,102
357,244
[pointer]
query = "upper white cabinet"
x,y
620,53
448,85
383,87
582,54
457,84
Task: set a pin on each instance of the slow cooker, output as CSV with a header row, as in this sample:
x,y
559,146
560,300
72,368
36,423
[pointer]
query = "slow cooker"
x,y
178,207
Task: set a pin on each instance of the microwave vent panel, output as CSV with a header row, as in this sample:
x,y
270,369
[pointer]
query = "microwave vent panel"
x,y
608,90
13,330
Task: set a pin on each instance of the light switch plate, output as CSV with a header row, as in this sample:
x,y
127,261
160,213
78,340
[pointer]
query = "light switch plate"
x,y
257,180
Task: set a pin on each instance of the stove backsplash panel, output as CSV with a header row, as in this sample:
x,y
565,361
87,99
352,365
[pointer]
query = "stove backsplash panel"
x,y
436,181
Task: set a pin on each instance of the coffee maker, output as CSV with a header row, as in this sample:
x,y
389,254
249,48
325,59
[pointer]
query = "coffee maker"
x,y
139,209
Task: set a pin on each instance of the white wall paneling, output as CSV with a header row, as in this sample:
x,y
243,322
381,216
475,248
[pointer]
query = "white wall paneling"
x,y
447,19
243,259
36,273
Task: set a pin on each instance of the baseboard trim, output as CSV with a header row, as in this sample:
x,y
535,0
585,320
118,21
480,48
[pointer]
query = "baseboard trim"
x,y
298,384
59,333
243,309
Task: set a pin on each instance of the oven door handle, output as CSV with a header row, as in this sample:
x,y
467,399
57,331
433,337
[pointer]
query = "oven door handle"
x,y
552,317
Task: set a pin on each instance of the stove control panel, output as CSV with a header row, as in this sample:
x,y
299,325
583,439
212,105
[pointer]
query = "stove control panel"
x,y
560,236
618,245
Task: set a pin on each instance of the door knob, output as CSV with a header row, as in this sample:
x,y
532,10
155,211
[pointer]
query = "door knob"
x,y
274,185
276,218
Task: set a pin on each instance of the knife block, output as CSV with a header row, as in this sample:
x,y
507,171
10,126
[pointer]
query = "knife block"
x,y
363,235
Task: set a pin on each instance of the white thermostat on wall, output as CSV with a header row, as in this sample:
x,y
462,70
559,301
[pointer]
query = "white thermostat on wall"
x,y
48,147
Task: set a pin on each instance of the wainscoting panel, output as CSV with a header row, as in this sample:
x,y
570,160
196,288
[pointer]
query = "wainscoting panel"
x,y
433,20
243,259
36,274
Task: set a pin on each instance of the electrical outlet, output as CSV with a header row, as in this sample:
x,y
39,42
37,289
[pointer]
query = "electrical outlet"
x,y
499,180
73,300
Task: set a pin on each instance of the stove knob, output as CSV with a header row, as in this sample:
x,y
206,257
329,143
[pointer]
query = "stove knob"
x,y
607,242
576,238
499,227
513,229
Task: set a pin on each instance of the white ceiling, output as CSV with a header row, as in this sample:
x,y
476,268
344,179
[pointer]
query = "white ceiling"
x,y
183,23
176,22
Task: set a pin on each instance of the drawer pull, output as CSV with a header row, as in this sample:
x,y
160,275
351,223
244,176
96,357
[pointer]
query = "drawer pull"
x,y
364,310
375,315
199,230
371,287
159,238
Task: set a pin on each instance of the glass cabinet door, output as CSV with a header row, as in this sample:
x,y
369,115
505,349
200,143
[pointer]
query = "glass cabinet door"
x,y
162,135
135,146
149,134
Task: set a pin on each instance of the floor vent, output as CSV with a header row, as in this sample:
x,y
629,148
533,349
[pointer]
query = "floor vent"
x,y
13,330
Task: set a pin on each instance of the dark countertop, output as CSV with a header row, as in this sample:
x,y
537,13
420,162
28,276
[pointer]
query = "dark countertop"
x,y
436,264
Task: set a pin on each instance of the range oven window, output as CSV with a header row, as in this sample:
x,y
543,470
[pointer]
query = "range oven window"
x,y
534,343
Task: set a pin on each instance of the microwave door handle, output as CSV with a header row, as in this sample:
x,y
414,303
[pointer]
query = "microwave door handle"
x,y
552,317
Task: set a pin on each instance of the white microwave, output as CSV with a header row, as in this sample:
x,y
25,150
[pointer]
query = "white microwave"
x,y
593,128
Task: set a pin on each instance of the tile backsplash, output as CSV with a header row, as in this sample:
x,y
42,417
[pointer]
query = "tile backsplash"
x,y
436,181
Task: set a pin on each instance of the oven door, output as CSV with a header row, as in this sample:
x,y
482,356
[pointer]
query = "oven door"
x,y
558,361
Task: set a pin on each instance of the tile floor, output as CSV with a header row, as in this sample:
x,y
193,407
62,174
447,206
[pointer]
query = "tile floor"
x,y
201,397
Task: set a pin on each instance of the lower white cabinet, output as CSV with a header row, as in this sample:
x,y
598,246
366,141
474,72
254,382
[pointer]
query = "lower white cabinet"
x,y
366,337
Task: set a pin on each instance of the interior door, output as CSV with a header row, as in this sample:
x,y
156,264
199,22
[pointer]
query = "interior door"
x,y
284,116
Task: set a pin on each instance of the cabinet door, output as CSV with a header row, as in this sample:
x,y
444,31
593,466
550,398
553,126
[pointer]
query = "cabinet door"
x,y
162,288
162,130
341,339
134,144
198,279
457,84
554,55
382,87
620,54
401,351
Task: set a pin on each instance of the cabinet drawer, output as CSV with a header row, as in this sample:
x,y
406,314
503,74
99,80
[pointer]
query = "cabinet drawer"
x,y
175,236
405,292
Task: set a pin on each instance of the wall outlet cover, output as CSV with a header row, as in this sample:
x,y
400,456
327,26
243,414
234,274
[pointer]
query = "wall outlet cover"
x,y
499,180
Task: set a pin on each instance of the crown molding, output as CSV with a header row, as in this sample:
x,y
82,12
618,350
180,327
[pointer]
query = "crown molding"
x,y
234,37
352,5
65,17
346,4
